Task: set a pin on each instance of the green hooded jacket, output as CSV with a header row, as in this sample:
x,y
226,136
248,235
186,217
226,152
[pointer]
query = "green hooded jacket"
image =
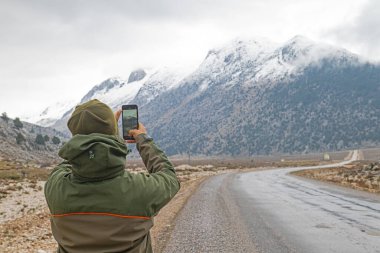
x,y
97,206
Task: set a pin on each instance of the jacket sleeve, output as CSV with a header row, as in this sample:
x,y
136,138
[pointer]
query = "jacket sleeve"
x,y
161,184
50,188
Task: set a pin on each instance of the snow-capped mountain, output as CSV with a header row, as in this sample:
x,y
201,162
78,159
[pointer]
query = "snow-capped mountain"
x,y
266,63
141,87
255,97
51,114
115,91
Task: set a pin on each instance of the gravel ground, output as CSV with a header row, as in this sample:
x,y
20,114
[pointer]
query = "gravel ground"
x,y
210,222
164,221
24,198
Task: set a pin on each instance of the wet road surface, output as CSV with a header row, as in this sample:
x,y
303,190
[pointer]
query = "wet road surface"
x,y
271,211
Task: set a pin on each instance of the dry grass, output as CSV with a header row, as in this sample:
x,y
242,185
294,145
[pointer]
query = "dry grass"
x,y
33,174
361,175
10,170
12,173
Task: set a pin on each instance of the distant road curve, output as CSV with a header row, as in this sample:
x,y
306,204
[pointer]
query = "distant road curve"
x,y
271,211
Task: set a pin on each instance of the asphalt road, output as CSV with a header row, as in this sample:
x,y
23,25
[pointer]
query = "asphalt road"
x,y
271,211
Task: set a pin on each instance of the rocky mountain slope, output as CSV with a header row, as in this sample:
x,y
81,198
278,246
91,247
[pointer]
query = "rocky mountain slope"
x,y
25,142
245,100
256,97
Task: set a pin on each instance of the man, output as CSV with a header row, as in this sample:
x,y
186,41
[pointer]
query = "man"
x,y
97,206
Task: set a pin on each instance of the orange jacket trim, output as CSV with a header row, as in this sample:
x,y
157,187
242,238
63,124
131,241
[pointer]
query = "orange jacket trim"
x,y
104,214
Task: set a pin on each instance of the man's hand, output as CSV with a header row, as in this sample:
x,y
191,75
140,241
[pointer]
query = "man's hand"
x,y
135,132
117,115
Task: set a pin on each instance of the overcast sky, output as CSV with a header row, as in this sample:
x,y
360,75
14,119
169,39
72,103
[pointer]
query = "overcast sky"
x,y
54,50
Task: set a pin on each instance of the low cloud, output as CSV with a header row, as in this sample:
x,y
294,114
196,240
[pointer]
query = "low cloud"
x,y
363,32
51,47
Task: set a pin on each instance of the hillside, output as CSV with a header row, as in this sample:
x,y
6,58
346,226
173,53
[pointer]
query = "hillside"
x,y
299,97
19,142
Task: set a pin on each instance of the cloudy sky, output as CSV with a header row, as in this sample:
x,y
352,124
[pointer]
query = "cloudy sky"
x,y
53,50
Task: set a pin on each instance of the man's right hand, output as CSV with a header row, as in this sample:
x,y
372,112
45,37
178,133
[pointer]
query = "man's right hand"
x,y
135,132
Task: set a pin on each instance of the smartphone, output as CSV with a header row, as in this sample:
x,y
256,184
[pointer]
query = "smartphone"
x,y
130,120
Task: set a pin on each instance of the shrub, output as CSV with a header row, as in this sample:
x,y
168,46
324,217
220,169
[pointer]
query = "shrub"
x,y
56,140
4,116
40,139
20,138
46,138
17,122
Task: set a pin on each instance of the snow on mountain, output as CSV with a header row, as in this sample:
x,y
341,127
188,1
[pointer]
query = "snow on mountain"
x,y
114,91
160,81
142,86
265,62
219,61
51,114
300,51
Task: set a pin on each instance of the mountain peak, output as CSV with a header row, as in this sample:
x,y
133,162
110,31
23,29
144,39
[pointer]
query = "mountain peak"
x,y
103,87
302,51
136,75
300,39
245,47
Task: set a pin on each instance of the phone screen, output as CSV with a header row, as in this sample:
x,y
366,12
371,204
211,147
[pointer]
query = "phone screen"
x,y
130,120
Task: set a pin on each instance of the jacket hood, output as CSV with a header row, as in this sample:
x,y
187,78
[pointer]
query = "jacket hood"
x,y
95,157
